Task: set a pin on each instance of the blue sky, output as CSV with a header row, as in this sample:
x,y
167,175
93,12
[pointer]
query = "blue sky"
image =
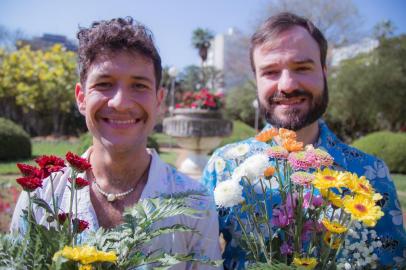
x,y
171,21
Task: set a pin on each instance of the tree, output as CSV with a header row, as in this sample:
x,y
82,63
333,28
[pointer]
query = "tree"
x,y
192,78
201,39
239,103
339,20
37,86
384,29
367,93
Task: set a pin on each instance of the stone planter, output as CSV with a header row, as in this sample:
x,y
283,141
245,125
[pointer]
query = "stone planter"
x,y
199,132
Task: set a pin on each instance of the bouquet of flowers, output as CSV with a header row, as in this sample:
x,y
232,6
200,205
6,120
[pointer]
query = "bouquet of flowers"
x,y
56,244
293,210
202,99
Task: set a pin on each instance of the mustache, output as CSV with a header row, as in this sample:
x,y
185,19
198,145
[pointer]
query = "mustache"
x,y
279,96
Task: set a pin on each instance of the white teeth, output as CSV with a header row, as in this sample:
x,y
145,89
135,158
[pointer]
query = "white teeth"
x,y
122,122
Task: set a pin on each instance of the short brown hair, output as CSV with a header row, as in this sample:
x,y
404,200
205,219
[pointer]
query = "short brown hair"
x,y
112,36
281,22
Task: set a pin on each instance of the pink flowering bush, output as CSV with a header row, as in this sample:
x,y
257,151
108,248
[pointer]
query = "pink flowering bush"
x,y
202,99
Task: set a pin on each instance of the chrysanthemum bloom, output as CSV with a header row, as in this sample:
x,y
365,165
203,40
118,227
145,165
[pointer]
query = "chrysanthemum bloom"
x,y
237,151
292,145
302,178
267,135
228,193
219,165
85,255
80,182
327,239
307,263
334,226
332,197
329,179
79,164
299,161
50,164
269,171
360,185
316,200
277,152
363,209
320,157
28,170
29,184
255,165
80,224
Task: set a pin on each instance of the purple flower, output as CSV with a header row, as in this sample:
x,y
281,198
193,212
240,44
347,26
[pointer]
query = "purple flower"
x,y
317,200
286,249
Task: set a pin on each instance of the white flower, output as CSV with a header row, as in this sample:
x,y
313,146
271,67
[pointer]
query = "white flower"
x,y
228,193
237,151
238,173
255,165
347,266
219,165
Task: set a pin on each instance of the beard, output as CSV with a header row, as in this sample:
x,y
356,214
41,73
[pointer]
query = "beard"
x,y
296,119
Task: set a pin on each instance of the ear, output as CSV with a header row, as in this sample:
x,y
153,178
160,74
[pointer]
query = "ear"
x,y
160,95
80,98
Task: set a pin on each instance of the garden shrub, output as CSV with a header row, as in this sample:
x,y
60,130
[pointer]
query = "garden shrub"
x,y
86,140
388,146
15,143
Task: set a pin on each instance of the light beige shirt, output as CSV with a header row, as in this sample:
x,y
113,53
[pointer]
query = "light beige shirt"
x,y
162,179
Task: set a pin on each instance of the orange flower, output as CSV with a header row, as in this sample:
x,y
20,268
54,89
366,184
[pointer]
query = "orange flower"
x,y
269,171
286,134
266,135
292,145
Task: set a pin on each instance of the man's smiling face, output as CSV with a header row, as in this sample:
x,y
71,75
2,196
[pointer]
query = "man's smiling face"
x,y
291,82
119,100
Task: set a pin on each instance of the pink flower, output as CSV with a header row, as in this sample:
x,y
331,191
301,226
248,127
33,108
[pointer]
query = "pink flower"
x,y
302,178
277,152
301,161
317,200
321,158
282,217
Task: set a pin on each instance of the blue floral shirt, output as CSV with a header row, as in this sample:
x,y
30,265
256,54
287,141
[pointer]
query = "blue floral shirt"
x,y
389,228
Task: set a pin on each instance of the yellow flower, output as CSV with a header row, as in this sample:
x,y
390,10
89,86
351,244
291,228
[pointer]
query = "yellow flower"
x,y
86,267
85,254
363,209
329,179
332,197
334,226
307,263
360,185
327,239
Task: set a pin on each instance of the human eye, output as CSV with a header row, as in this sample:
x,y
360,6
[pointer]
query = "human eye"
x,y
140,86
102,86
270,72
303,68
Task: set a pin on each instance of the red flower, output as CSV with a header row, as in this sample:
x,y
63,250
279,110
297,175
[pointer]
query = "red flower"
x,y
28,170
29,183
79,164
49,164
62,217
80,225
80,182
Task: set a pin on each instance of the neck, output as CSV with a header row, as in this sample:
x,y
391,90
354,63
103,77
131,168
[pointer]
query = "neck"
x,y
308,134
118,172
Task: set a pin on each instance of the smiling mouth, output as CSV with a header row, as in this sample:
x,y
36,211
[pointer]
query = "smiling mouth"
x,y
288,101
122,123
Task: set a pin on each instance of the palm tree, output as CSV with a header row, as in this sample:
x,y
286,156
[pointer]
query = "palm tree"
x,y
201,41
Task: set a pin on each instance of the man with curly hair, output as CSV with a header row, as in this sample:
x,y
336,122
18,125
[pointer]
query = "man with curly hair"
x,y
119,95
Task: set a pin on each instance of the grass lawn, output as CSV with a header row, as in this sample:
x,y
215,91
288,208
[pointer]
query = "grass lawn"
x,y
400,182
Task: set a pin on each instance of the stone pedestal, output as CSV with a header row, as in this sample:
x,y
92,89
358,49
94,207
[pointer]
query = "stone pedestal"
x,y
199,132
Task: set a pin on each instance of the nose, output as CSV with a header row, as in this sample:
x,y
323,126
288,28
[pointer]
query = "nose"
x,y
121,100
287,83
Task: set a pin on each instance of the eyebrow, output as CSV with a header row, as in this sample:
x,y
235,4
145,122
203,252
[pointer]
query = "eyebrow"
x,y
304,61
138,78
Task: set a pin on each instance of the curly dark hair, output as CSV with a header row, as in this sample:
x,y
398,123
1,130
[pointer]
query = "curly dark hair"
x,y
116,35
278,23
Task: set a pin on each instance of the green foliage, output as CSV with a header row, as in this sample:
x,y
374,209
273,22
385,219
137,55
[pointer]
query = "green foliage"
x,y
241,131
14,141
86,140
367,93
239,103
193,78
387,146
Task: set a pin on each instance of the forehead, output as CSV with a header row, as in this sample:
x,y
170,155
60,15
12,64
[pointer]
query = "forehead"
x,y
121,64
294,44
